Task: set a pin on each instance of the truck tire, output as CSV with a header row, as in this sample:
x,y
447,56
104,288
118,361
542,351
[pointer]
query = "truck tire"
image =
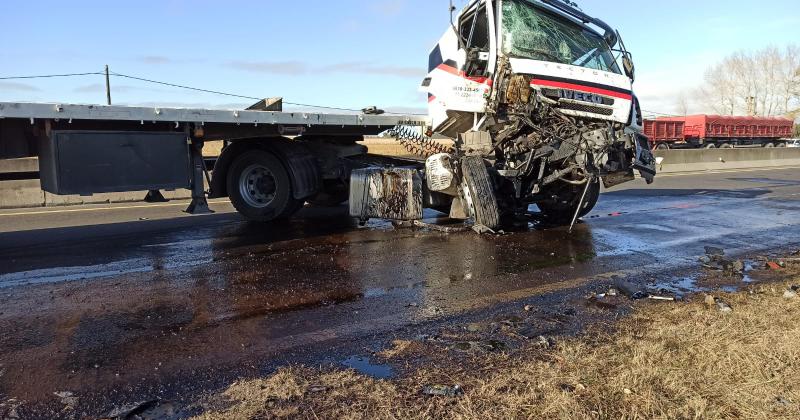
x,y
769,145
710,146
781,144
726,146
662,146
479,193
561,213
259,187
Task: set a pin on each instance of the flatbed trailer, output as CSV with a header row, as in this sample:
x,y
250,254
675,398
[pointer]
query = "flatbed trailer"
x,y
272,162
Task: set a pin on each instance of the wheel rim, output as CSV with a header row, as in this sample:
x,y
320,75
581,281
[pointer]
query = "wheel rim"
x,y
257,186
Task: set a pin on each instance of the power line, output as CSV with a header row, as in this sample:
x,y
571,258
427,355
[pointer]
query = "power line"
x,y
184,87
233,94
47,76
175,85
658,113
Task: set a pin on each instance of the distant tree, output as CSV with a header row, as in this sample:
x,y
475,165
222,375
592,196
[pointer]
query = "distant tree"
x,y
764,82
682,104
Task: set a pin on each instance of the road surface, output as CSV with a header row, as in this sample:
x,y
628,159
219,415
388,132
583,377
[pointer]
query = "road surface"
x,y
124,303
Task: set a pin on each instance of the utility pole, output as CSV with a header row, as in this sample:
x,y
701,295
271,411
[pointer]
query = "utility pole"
x,y
108,87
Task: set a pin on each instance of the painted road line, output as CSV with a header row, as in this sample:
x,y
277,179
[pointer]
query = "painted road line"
x,y
141,206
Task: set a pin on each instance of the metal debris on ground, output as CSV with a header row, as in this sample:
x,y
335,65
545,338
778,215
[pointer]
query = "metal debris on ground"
x,y
714,259
443,390
791,292
631,290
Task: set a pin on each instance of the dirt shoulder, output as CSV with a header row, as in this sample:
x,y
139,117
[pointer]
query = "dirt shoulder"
x,y
690,358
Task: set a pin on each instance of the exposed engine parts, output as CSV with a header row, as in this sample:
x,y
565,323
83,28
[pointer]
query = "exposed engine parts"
x,y
533,153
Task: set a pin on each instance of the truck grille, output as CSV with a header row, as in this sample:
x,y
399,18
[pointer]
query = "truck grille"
x,y
573,106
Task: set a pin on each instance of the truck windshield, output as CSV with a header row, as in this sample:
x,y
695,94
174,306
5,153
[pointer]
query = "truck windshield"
x,y
534,33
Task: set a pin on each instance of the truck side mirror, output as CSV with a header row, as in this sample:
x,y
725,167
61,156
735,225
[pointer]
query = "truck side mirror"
x,y
627,64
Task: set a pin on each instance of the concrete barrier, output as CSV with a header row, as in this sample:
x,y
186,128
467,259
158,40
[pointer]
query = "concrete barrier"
x,y
726,159
28,193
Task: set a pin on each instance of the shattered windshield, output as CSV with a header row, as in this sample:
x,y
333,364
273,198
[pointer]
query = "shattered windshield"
x,y
533,33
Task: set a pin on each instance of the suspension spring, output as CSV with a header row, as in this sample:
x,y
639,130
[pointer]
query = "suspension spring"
x,y
415,142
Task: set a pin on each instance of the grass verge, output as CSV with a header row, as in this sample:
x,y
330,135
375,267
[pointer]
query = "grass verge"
x,y
667,360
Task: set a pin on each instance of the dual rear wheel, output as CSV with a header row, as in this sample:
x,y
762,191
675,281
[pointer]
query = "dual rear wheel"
x,y
260,188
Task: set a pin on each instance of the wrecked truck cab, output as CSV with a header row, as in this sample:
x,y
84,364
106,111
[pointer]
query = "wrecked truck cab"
x,y
540,111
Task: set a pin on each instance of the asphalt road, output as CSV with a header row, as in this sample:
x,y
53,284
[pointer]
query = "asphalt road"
x,y
123,303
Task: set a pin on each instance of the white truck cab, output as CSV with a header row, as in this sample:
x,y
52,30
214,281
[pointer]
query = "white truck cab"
x,y
565,58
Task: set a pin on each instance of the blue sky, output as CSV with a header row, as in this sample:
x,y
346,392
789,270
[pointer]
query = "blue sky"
x,y
343,53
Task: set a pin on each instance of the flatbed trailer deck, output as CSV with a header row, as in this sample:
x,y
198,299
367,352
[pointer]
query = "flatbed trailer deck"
x,y
280,159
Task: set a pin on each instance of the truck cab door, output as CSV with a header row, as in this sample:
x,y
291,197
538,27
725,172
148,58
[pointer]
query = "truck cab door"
x,y
460,81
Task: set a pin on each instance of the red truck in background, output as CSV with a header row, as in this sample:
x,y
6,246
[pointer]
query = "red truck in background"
x,y
712,131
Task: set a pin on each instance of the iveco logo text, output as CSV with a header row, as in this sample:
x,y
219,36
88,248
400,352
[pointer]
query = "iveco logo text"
x,y
580,96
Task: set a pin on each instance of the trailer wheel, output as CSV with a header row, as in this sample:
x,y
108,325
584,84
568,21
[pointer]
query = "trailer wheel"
x,y
781,144
562,211
479,193
769,145
662,146
259,187
726,146
711,146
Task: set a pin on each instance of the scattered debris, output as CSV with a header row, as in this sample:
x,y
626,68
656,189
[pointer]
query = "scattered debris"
x,y
664,298
544,342
713,251
723,306
481,229
152,409
317,388
712,301
67,398
630,290
627,391
773,265
715,260
528,308
443,390
790,294
400,224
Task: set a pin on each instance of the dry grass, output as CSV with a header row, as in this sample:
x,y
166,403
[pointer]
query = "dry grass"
x,y
678,360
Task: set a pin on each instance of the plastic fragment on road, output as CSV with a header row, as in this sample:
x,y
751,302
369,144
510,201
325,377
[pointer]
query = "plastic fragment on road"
x,y
773,265
443,390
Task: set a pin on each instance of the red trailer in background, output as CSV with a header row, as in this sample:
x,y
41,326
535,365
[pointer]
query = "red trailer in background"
x,y
711,131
